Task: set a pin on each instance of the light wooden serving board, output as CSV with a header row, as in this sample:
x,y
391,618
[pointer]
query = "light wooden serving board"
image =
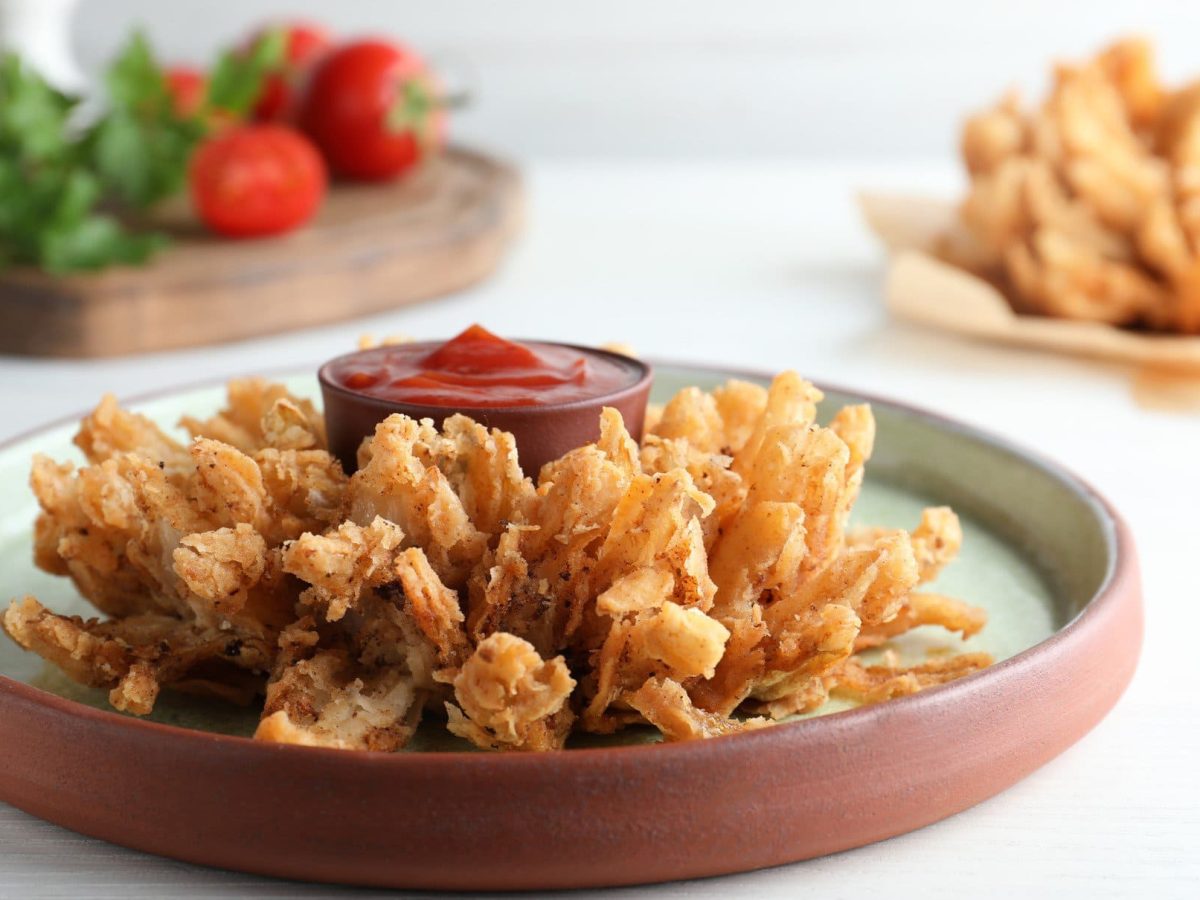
x,y
372,247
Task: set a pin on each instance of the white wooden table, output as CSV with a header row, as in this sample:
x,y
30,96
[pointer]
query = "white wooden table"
x,y
767,265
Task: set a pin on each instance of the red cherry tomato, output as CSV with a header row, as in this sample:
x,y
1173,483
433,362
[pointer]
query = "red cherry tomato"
x,y
186,87
305,44
372,108
256,180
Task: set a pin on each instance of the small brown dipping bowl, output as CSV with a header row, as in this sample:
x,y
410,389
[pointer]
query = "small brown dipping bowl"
x,y
543,433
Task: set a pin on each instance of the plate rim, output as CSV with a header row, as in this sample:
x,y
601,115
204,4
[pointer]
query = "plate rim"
x,y
1117,536
589,817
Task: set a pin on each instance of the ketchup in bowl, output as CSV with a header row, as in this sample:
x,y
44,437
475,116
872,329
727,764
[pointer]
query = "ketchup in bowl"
x,y
548,395
480,369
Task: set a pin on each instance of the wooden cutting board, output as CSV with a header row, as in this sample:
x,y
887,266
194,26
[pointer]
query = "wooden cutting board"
x,y
372,247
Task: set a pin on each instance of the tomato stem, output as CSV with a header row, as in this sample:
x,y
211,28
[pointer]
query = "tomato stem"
x,y
410,110
413,109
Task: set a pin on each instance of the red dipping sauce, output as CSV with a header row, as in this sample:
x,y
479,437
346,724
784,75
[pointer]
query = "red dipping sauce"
x,y
479,369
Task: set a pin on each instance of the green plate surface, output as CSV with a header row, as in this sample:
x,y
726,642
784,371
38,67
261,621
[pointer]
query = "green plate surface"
x,y
1033,552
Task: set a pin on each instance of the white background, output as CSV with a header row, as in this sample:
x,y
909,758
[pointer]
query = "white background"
x,y
705,78
691,170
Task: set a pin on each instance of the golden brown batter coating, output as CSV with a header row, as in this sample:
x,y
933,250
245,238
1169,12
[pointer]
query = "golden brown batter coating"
x,y
706,573
1085,206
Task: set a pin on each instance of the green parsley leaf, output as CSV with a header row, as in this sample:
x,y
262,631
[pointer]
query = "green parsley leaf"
x,y
94,242
141,159
134,79
141,147
33,115
236,81
49,191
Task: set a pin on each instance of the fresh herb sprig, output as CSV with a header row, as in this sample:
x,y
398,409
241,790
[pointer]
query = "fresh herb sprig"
x,y
140,147
61,187
236,80
49,191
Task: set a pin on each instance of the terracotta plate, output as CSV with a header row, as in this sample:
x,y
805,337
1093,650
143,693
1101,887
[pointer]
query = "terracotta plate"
x,y
1047,556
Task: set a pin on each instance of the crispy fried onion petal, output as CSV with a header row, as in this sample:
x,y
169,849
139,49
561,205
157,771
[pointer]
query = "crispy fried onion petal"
x,y
509,698
685,583
1084,206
